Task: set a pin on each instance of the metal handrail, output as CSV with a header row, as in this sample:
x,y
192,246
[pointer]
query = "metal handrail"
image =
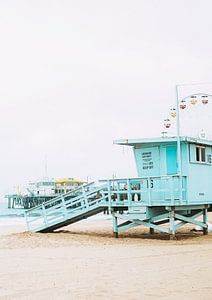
x,y
59,196
138,178
66,207
167,182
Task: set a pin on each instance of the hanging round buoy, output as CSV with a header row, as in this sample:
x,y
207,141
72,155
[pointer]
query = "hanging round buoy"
x,y
183,104
193,100
204,99
173,112
167,123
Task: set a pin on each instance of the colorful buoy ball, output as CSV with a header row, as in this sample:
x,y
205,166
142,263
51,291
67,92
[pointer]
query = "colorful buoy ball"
x,y
167,123
173,113
193,100
204,99
183,104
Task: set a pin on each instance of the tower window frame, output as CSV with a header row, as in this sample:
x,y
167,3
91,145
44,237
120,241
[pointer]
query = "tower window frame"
x,y
200,154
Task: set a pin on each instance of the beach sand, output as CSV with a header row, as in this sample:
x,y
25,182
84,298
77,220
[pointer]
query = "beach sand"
x,y
84,261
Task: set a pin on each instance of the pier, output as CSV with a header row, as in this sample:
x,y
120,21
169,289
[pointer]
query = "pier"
x,y
26,202
42,191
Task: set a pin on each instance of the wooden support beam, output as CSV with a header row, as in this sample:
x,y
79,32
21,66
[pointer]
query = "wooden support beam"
x,y
191,220
151,225
162,222
177,226
115,226
205,221
172,229
159,217
124,224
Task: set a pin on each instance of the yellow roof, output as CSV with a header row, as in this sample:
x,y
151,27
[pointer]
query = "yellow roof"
x,y
63,180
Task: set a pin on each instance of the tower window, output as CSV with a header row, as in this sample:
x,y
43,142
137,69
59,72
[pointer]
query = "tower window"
x,y
200,154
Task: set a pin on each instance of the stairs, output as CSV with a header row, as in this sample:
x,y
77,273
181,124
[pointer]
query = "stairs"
x,y
65,209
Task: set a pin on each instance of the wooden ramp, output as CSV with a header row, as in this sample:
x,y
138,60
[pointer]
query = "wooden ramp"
x,y
68,208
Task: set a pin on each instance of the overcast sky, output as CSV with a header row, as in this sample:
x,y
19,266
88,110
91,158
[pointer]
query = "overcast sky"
x,y
75,75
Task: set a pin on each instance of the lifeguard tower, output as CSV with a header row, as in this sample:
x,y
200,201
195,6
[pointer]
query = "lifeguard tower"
x,y
158,198
173,187
159,195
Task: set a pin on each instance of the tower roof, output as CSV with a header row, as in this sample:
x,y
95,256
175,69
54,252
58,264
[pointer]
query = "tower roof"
x,y
161,140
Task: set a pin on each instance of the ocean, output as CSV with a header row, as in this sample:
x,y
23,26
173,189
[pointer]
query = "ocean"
x,y
6,212
10,217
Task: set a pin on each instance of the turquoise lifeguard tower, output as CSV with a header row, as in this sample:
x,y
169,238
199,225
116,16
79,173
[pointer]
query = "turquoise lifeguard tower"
x,y
159,198
172,187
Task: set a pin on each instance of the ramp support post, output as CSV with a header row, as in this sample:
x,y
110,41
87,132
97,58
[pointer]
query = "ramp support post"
x,y
151,230
205,220
115,226
171,224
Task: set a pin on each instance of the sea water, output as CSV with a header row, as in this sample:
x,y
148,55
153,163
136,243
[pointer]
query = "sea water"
x,y
6,212
11,216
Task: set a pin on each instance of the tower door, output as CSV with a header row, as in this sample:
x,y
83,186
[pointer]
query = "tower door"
x,y
171,160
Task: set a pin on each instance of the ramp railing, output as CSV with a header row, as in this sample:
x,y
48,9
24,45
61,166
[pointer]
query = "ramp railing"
x,y
66,206
118,194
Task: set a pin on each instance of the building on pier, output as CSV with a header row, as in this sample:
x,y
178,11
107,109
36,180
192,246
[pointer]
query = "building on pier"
x,y
65,185
38,192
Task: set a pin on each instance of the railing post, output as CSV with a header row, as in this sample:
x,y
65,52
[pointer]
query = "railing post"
x,y
118,195
171,178
85,198
149,190
129,195
140,190
186,194
102,198
44,214
109,195
180,188
64,206
26,218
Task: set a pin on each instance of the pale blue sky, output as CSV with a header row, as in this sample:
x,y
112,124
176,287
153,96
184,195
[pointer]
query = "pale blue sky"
x,y
77,74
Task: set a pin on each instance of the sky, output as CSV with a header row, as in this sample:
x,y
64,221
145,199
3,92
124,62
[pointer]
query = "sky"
x,y
76,75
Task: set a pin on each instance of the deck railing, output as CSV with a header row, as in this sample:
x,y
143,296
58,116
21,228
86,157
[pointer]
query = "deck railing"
x,y
147,191
114,193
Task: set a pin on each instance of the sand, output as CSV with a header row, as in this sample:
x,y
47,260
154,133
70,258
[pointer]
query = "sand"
x,y
84,261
